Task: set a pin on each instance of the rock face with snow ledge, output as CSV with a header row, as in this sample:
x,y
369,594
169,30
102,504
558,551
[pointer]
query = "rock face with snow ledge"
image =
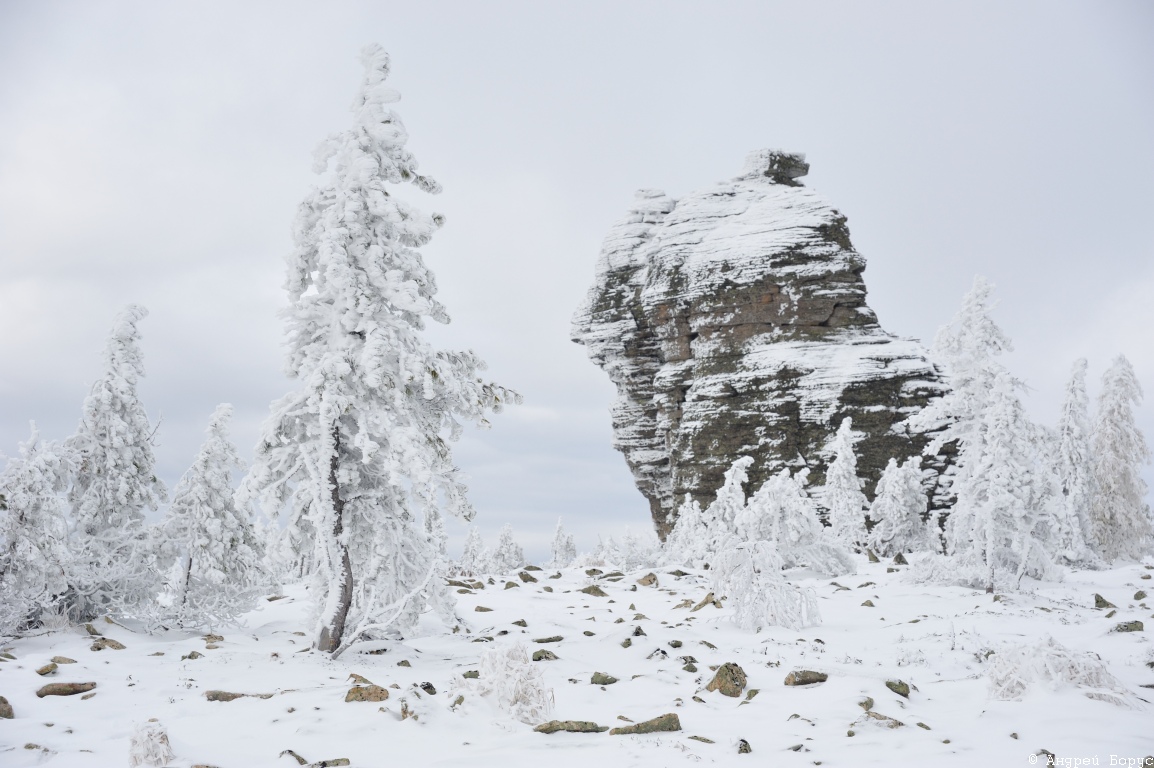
x,y
733,322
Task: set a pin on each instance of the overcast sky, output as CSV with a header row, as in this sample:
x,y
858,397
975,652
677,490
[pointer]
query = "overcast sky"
x,y
155,153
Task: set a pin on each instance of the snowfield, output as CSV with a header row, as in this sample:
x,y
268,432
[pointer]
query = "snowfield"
x,y
941,641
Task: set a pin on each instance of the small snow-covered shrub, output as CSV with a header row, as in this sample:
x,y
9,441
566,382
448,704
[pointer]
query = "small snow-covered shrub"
x,y
515,684
633,552
749,574
1014,671
475,556
149,745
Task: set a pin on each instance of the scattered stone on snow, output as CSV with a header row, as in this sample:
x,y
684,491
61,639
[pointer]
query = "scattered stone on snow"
x,y
627,642
368,692
532,568
1101,602
210,638
1139,595
521,623
482,609
472,674
404,663
729,680
899,687
900,559
872,557
47,669
708,645
1129,626
666,722
107,642
703,740
192,656
600,678
594,590
868,604
675,643
648,580
686,603
594,572
638,632
527,577
805,677
707,600
91,630
6,712
743,747
511,584
550,639
879,719
923,726
867,703
571,726
544,655
64,689
62,660
215,695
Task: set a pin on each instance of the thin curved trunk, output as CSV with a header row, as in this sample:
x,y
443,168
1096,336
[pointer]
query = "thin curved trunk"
x,y
332,634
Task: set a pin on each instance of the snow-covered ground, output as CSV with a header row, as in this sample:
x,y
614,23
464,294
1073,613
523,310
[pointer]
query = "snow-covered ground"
x,y
936,639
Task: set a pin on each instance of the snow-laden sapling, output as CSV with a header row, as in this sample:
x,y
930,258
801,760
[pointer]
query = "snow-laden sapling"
x,y
750,575
898,512
114,481
783,513
564,548
149,745
842,492
360,452
33,530
475,556
1014,671
508,555
514,683
1122,522
216,572
700,533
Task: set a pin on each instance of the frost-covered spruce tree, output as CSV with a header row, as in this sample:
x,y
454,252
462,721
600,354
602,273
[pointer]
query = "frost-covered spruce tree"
x,y
217,571
967,348
699,534
475,556
686,544
113,483
1123,527
508,555
361,449
1006,494
898,512
749,575
564,548
33,534
1074,531
842,492
781,512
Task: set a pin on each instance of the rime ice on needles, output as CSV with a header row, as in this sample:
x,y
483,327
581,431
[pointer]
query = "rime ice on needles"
x,y
508,554
749,575
33,531
514,683
1075,467
475,557
1123,525
360,453
564,548
216,572
114,482
842,492
898,512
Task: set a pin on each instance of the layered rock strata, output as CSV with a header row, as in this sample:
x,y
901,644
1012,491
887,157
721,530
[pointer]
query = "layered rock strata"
x,y
734,322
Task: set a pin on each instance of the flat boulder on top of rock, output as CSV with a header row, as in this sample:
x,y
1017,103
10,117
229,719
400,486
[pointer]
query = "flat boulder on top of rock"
x,y
805,677
64,689
666,722
729,680
572,726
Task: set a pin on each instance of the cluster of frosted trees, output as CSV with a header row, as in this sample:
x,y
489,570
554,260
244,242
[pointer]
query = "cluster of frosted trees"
x,y
353,467
1026,499
75,541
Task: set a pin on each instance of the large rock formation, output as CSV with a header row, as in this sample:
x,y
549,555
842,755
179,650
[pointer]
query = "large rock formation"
x,y
733,322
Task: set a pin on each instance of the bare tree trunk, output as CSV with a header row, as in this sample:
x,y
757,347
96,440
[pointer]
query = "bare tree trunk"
x,y
333,633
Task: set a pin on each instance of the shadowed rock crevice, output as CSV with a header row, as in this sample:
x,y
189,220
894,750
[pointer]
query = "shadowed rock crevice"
x,y
734,322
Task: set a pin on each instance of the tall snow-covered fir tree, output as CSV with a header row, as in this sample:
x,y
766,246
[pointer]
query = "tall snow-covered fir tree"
x,y
898,512
1074,532
33,534
360,451
842,493
1122,522
113,483
217,572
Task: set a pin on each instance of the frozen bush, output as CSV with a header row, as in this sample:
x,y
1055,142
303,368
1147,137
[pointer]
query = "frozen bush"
x,y
515,685
1014,671
749,575
150,745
